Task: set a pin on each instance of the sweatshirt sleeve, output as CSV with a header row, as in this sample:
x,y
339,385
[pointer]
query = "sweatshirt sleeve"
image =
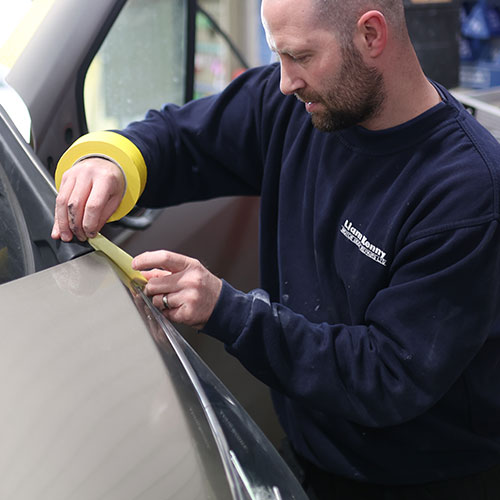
x,y
207,148
420,333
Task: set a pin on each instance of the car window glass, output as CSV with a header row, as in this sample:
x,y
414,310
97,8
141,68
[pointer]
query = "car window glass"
x,y
16,259
140,65
215,64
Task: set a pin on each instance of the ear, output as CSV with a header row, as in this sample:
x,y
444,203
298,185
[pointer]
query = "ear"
x,y
371,33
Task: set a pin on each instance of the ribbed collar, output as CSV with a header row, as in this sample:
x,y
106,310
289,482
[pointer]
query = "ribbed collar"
x,y
408,134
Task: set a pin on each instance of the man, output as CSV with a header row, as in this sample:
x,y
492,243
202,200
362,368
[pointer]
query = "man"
x,y
378,323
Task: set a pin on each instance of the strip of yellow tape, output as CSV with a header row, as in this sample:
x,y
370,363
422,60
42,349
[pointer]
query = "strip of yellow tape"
x,y
121,258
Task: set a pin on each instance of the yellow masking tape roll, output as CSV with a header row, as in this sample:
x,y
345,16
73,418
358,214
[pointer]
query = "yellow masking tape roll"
x,y
121,150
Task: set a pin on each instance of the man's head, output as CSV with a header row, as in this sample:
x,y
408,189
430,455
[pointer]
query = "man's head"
x,y
330,52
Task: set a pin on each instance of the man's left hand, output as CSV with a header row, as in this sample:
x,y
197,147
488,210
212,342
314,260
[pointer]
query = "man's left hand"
x,y
190,290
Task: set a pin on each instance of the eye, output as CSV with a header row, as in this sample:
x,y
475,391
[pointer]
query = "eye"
x,y
302,59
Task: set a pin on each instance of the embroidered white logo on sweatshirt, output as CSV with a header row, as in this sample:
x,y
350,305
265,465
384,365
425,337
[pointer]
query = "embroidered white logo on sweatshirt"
x,y
361,241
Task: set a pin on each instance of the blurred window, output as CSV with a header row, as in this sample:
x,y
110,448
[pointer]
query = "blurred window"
x,y
140,65
217,59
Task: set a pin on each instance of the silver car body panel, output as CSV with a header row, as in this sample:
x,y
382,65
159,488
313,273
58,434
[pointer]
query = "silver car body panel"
x,y
103,399
88,410
222,233
65,328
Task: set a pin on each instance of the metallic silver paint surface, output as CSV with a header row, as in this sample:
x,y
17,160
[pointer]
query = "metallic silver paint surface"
x,y
88,410
223,234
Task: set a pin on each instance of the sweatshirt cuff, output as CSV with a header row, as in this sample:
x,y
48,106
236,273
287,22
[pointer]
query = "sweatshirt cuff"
x,y
119,150
229,315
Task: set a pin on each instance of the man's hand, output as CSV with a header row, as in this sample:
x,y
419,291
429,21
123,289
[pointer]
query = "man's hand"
x,y
89,194
191,291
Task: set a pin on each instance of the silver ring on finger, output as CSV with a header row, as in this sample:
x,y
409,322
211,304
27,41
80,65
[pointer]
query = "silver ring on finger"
x,y
165,301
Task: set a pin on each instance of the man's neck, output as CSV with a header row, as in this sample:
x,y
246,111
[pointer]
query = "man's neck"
x,y
406,98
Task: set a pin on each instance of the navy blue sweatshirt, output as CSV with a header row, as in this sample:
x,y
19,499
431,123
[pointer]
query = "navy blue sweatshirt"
x,y
378,323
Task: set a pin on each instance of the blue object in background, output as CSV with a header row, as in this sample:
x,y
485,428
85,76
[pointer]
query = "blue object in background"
x,y
476,23
493,20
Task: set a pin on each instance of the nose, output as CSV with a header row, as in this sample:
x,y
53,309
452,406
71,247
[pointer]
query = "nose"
x,y
290,81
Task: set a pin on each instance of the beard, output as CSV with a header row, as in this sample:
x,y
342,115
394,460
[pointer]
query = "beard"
x,y
353,96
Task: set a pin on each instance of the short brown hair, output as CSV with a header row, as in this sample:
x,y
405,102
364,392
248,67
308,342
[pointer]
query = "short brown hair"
x,y
342,15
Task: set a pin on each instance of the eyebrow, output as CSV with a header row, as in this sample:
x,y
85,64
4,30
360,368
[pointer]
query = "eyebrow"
x,y
288,51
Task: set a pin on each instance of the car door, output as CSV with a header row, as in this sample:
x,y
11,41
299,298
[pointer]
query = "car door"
x,y
101,397
105,55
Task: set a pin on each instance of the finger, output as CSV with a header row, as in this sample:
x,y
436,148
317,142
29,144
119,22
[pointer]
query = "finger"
x,y
172,300
77,205
181,309
158,301
162,259
93,184
99,208
56,233
155,273
166,283
61,225
114,203
107,196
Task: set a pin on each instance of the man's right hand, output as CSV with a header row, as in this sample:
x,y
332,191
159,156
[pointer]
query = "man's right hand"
x,y
89,194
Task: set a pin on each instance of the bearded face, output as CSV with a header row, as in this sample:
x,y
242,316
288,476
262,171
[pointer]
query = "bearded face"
x,y
353,95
